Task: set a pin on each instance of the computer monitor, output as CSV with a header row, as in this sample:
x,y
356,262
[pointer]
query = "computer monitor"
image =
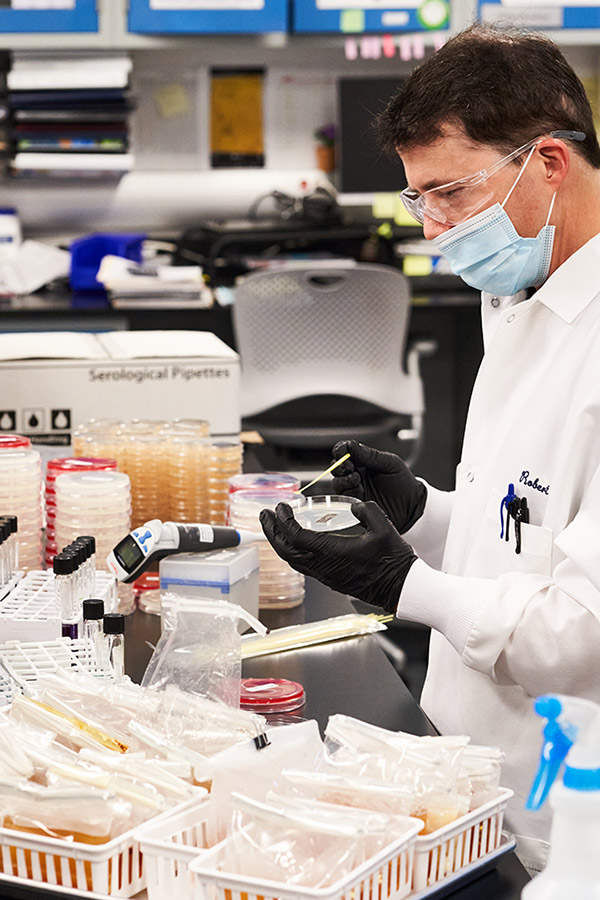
x,y
361,166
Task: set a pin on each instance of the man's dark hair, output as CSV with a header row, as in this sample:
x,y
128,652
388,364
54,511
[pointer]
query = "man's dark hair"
x,y
502,86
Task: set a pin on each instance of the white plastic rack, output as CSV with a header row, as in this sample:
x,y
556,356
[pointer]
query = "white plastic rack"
x,y
25,663
30,611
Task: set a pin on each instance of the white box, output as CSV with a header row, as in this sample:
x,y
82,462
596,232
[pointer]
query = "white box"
x,y
54,381
230,575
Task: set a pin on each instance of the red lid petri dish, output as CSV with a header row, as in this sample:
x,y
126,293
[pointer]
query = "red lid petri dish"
x,y
78,464
271,695
13,441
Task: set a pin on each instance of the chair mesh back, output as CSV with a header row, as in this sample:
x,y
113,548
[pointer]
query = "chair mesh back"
x,y
301,332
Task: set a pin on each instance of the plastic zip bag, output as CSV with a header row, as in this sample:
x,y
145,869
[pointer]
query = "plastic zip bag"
x,y
253,772
71,813
313,847
199,650
193,723
348,790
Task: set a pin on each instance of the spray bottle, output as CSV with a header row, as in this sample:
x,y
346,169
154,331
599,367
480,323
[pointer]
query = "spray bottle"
x,y
572,735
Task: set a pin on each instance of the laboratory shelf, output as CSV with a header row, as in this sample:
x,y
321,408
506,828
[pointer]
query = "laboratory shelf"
x,y
207,16
50,16
368,16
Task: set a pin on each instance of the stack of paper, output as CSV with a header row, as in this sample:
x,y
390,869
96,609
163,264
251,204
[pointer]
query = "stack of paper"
x,y
131,284
70,115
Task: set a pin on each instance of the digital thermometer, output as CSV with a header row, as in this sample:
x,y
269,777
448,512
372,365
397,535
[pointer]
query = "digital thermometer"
x,y
155,539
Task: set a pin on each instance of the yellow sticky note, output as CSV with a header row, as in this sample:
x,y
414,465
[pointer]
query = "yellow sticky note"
x,y
352,20
172,100
401,214
417,265
383,206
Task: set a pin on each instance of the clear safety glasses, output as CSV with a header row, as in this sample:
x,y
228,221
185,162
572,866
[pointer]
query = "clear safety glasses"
x,y
452,203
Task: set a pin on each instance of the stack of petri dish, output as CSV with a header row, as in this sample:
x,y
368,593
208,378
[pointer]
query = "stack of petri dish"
x,y
96,503
143,462
100,438
225,460
280,586
21,495
60,466
186,469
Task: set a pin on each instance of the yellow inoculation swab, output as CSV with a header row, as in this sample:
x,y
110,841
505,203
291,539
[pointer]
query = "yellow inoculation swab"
x,y
333,466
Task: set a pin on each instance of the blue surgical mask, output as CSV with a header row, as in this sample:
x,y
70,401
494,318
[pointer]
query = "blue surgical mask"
x,y
489,255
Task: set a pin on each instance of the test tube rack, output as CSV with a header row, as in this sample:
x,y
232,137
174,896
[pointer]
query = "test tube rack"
x,y
8,689
30,611
24,663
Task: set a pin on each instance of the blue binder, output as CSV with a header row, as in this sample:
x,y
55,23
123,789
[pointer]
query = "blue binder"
x,y
311,17
566,17
271,16
82,18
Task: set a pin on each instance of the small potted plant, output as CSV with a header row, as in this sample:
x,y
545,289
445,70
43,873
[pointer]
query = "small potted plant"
x,y
325,137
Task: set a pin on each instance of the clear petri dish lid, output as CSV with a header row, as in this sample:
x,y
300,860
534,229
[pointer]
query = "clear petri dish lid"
x,y
15,457
260,481
326,512
92,482
271,695
251,502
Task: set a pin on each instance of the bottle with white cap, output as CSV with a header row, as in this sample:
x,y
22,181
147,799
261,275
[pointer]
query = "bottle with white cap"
x,y
572,734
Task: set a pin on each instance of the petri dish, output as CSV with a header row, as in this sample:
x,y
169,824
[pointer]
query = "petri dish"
x,y
13,441
327,512
271,695
260,481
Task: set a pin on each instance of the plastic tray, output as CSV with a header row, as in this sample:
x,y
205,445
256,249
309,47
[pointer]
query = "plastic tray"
x,y
451,849
113,869
385,876
169,845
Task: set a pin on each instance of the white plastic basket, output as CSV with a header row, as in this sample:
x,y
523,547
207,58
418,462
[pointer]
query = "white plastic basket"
x,y
385,876
462,842
169,844
114,868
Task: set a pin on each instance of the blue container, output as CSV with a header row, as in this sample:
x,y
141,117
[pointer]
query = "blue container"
x,y
88,252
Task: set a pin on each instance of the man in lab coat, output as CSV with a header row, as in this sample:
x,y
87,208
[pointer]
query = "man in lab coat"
x,y
503,166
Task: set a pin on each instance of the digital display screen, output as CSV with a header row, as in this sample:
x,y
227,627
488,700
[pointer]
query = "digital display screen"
x,y
128,554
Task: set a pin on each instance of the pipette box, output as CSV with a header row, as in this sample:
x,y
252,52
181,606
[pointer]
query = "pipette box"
x,y
230,575
55,381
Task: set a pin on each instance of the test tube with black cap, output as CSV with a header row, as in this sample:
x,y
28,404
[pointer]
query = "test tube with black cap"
x,y
12,542
64,566
114,643
83,548
91,543
93,613
4,552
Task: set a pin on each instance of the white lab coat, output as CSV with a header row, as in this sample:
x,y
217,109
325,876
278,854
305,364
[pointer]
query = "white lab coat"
x,y
511,627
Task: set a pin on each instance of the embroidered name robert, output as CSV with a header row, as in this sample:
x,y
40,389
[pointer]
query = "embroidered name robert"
x,y
535,484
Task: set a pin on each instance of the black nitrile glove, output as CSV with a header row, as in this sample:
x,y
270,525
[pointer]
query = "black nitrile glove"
x,y
374,475
371,566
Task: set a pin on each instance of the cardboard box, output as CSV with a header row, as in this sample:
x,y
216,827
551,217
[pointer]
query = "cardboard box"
x,y
54,381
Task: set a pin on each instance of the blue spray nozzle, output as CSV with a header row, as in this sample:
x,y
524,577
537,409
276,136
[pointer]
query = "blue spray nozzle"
x,y
567,717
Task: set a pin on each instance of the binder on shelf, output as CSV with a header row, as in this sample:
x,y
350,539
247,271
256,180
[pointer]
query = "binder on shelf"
x,y
369,16
49,16
207,16
75,123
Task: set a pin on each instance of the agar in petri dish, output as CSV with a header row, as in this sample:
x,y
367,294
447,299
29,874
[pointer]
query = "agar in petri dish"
x,y
327,512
